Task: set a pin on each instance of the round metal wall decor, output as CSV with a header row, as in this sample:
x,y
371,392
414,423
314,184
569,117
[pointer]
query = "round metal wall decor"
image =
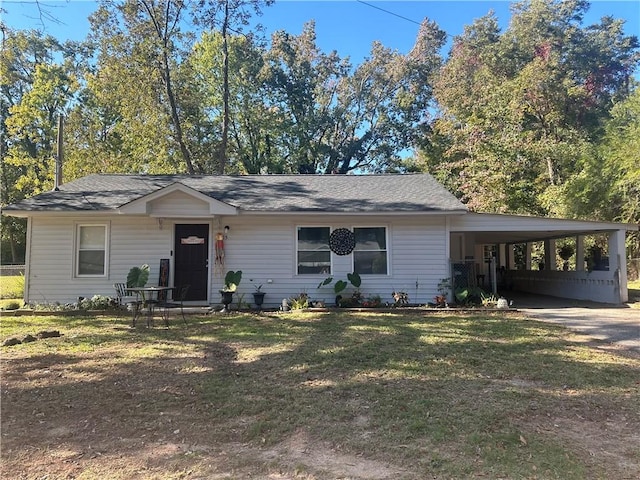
x,y
342,241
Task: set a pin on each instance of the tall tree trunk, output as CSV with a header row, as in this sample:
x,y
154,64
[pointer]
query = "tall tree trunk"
x,y
163,32
14,249
222,161
184,149
551,171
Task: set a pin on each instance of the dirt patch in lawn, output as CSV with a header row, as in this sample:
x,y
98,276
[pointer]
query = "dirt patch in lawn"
x,y
85,416
326,460
362,397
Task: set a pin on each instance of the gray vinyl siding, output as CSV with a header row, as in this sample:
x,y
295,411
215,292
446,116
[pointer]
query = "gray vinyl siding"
x,y
178,204
50,267
132,241
262,246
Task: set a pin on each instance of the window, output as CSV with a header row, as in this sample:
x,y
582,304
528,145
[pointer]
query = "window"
x,y
314,255
370,254
92,250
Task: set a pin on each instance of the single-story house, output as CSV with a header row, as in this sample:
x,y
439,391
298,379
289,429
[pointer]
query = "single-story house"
x,y
400,232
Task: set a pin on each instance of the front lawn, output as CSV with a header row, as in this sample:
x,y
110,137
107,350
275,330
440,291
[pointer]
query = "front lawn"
x,y
11,291
316,396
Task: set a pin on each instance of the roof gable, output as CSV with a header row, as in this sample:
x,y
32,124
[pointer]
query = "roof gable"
x,y
170,199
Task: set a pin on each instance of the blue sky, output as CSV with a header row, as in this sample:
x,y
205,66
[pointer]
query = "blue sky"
x,y
347,26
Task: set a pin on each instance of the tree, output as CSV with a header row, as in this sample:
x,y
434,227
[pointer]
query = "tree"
x,y
140,47
34,92
384,105
340,119
302,82
254,127
607,183
518,108
235,14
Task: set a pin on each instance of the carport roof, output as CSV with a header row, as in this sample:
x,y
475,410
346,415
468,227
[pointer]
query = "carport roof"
x,y
504,228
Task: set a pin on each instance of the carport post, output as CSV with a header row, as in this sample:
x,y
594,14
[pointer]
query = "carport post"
x,y
511,256
550,254
618,263
502,254
494,280
580,253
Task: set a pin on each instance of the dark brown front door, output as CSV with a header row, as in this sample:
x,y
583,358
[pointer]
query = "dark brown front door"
x,y
192,259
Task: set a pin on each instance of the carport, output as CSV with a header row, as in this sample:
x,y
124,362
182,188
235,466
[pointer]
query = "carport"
x,y
482,252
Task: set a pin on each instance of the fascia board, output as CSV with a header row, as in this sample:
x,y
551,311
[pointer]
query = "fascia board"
x,y
338,214
532,223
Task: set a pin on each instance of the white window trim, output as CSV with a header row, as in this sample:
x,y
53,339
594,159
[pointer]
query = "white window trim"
x,y
76,248
295,262
387,251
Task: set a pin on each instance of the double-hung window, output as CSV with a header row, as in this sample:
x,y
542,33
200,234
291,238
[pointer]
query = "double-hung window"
x,y
91,250
314,255
370,253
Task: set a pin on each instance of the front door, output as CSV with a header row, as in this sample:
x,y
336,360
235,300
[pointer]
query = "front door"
x,y
192,259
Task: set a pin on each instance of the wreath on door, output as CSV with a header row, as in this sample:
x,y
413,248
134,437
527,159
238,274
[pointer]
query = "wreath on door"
x,y
342,241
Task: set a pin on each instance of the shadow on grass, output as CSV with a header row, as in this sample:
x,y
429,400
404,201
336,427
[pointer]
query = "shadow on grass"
x,y
431,391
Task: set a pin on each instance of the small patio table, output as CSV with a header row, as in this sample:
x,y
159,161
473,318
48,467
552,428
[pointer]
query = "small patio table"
x,y
150,298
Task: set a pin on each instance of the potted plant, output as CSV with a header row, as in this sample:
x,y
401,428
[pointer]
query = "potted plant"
x,y
565,252
440,301
444,288
340,285
231,281
400,298
258,296
138,276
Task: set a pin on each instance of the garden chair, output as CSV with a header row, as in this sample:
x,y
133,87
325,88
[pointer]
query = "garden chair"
x,y
122,295
176,302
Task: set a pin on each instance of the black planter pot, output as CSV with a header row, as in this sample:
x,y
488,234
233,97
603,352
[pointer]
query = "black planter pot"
x,y
227,298
258,299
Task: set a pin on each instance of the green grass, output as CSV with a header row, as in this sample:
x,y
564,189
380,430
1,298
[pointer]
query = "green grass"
x,y
11,292
446,396
11,287
634,293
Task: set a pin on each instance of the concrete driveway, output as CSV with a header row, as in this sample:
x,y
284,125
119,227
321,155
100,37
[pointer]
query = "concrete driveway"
x,y
611,323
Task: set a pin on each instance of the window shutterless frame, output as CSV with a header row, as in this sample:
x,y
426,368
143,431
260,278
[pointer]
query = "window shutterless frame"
x,y
91,245
371,253
313,255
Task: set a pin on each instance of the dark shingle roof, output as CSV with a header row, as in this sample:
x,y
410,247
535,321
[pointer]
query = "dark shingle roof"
x,y
262,193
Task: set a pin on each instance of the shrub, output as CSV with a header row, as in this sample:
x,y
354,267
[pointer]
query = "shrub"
x,y
469,295
97,302
12,305
299,302
374,301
